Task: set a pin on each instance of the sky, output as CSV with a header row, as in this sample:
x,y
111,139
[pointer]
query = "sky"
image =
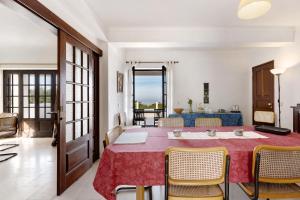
x,y
148,89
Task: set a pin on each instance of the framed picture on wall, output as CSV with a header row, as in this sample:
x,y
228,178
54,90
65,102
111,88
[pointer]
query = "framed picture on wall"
x,y
120,80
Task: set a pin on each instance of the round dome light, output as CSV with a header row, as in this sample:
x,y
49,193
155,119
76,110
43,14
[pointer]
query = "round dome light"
x,y
251,9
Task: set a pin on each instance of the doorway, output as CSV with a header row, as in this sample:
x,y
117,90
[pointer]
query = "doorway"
x,y
149,96
31,94
76,147
263,88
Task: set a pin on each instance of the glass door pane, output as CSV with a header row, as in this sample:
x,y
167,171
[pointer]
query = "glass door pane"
x,y
29,96
77,93
45,95
12,93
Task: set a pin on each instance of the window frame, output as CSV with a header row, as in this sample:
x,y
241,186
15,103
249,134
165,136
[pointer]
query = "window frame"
x,y
36,96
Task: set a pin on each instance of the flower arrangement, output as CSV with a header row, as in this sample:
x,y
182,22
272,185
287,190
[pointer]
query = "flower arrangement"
x,y
190,102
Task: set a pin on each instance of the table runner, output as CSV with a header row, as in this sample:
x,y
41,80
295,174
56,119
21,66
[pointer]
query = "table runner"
x,y
218,136
143,164
132,138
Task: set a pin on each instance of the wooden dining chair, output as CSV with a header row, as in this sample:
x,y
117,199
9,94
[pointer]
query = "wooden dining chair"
x,y
122,122
208,122
195,173
177,122
275,170
264,117
110,137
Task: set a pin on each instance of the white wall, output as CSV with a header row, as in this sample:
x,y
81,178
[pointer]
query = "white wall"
x,y
289,57
284,57
227,71
229,74
103,93
115,100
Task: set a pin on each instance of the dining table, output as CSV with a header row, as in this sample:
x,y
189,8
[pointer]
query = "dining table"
x,y
143,164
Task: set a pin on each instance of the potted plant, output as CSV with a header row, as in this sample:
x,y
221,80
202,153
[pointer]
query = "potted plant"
x,y
190,102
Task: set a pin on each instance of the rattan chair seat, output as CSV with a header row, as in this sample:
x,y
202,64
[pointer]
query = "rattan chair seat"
x,y
273,190
195,192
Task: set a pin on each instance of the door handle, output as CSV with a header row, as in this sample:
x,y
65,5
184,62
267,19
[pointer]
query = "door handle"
x,y
269,104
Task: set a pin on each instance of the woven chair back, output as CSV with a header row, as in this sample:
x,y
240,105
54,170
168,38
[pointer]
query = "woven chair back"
x,y
171,122
203,166
208,122
113,134
278,164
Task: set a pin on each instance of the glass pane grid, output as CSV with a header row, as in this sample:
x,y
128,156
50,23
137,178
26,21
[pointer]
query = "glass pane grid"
x,y
12,94
45,90
77,93
29,95
27,85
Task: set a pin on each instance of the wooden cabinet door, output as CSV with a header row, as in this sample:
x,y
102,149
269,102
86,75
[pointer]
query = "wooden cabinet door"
x,y
263,87
76,117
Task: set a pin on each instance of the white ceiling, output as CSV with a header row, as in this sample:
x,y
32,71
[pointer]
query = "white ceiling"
x,y
157,24
19,30
188,13
25,38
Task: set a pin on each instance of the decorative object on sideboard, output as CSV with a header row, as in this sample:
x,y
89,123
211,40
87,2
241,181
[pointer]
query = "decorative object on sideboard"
x,y
296,118
200,108
221,110
120,80
178,110
190,102
277,72
206,93
235,109
208,110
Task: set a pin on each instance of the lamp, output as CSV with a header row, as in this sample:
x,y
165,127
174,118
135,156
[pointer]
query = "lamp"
x,y
278,72
251,9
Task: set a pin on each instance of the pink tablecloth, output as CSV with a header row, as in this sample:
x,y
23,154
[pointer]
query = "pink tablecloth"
x,y
143,164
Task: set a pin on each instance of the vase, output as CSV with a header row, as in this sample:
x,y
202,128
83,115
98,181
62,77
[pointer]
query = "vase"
x,y
191,108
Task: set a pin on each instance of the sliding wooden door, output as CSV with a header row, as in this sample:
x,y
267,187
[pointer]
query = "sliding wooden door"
x,y
76,114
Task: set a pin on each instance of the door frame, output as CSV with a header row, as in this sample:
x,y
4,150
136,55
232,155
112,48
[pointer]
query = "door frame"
x,y
38,9
163,71
272,63
36,72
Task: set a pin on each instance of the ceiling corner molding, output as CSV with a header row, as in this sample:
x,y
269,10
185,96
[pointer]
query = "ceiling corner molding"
x,y
250,36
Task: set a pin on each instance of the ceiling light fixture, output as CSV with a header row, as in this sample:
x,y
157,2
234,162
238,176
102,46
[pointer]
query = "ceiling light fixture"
x,y
251,9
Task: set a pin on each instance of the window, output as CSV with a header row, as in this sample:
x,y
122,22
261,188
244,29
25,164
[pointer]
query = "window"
x,y
30,93
11,86
149,95
29,96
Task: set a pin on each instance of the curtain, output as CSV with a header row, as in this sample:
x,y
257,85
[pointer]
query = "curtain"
x,y
170,92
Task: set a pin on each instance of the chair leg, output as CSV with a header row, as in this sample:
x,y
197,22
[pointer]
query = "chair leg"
x,y
8,146
134,188
8,155
125,189
150,192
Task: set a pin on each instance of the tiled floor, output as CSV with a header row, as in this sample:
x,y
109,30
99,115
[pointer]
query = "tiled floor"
x,y
32,176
